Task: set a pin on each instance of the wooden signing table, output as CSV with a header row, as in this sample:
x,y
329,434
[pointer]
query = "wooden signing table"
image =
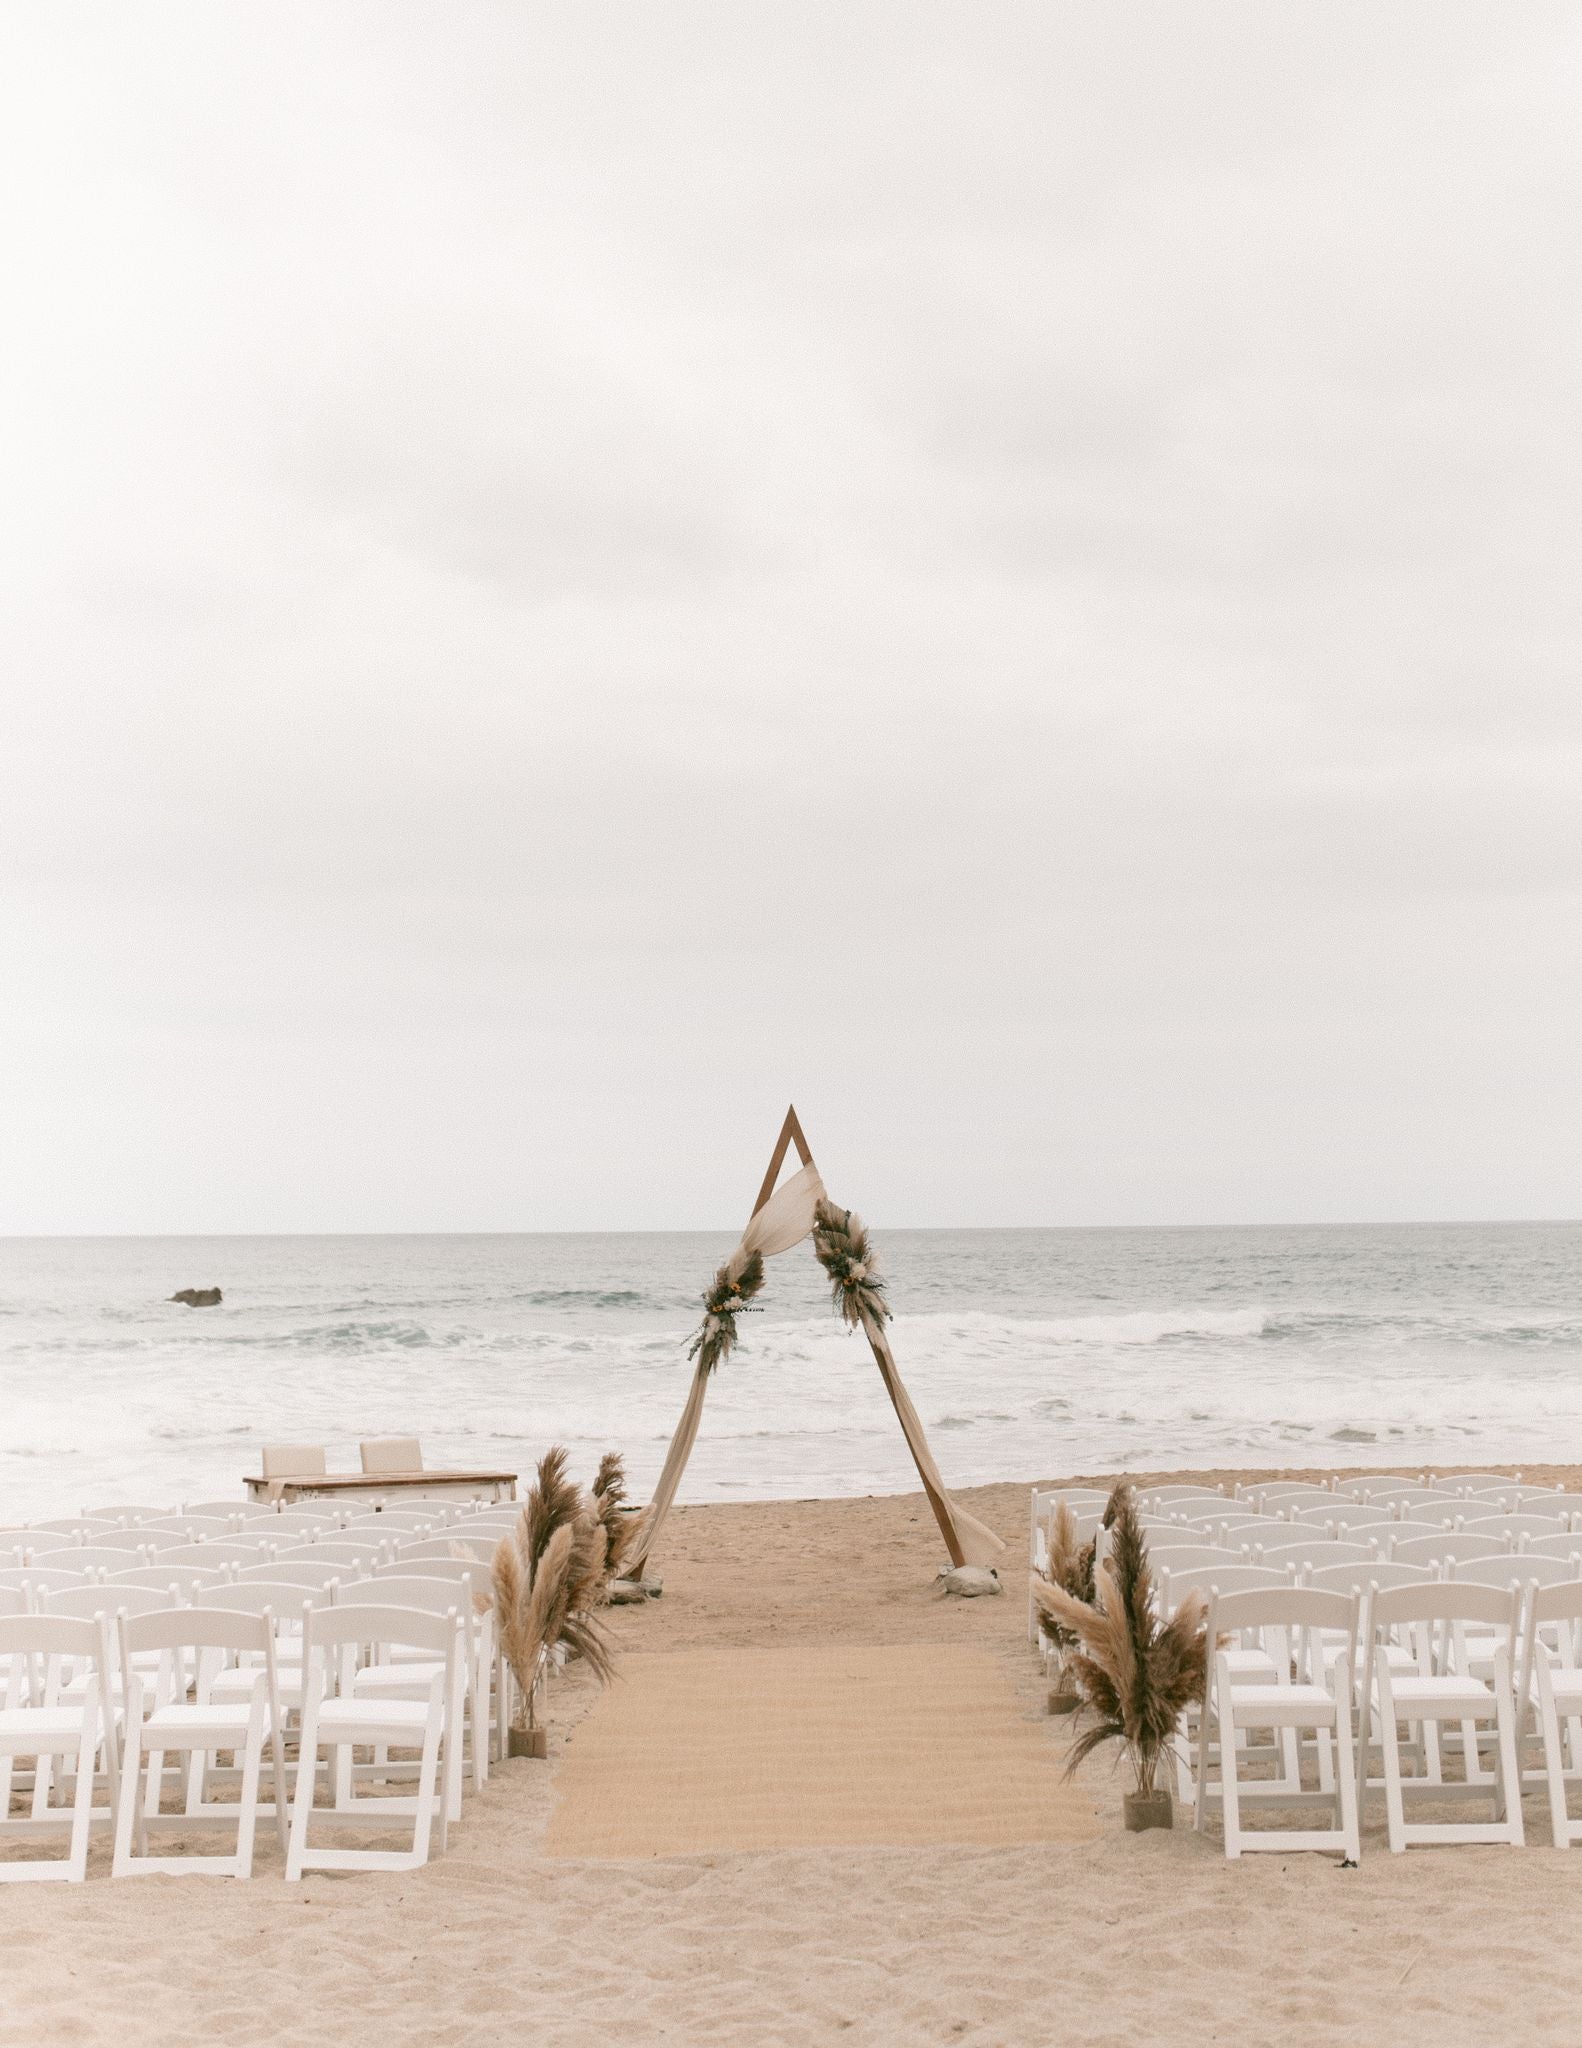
x,y
376,1488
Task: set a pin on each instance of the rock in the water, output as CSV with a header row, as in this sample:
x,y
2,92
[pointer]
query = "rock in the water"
x,y
971,1581
198,1297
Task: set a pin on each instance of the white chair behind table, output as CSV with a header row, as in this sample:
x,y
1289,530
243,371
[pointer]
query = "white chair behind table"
x,y
391,1454
336,1719
159,1720
1432,1687
294,1461
405,1671
38,1654
1281,1621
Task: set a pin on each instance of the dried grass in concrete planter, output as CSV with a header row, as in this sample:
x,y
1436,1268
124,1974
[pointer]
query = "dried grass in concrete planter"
x,y
1138,1674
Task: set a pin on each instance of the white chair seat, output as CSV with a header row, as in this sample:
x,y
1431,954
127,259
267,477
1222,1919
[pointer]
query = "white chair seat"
x,y
341,1714
59,1725
1253,1665
1275,1706
191,1724
394,1680
1452,1690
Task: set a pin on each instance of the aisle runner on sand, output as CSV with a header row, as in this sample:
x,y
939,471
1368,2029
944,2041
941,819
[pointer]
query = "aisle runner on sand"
x,y
811,1748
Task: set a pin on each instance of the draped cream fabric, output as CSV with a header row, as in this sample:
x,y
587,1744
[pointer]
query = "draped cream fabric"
x,y
783,1221
787,1217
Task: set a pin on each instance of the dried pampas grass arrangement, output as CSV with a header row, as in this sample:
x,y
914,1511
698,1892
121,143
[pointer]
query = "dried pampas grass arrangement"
x,y
1069,1566
1138,1674
735,1284
840,1239
549,1575
609,1498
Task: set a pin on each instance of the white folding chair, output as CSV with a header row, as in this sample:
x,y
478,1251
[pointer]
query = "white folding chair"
x,y
403,1673
160,1719
1567,1544
39,1654
449,1545
1320,1703
1434,1687
1440,1548
337,1719
1554,1682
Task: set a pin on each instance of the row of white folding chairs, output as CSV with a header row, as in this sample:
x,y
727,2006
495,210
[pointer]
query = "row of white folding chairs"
x,y
1469,1651
69,1692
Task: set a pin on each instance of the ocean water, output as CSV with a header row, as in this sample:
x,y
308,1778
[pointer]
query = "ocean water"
x,y
1027,1352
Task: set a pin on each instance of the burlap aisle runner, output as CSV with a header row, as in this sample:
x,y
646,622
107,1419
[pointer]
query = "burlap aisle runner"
x,y
808,1748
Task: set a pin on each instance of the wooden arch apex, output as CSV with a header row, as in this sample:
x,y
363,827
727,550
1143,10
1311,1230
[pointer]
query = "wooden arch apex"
x,y
790,1134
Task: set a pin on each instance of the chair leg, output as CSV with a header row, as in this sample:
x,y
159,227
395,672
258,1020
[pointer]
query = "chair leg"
x,y
247,1817
1394,1809
126,1813
1507,1775
1346,1779
1554,1761
1230,1799
82,1807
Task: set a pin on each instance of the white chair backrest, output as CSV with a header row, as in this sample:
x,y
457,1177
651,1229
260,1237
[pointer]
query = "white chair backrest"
x,y
1179,1490
38,1651
40,1578
1232,1578
281,1599
337,1551
1515,1525
184,1577
1357,1577
1503,1571
448,1545
231,1550
87,1601
1355,1514
1568,1543
1317,1549
299,1572
124,1517
249,1510
1448,1543
38,1542
430,1596
1183,1556
190,1528
1374,1485
97,1557
448,1570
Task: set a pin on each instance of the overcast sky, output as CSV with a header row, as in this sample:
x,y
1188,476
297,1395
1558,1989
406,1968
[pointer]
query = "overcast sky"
x,y
575,573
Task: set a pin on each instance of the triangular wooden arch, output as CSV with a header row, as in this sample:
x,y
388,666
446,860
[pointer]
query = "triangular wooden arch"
x,y
790,1134
966,1540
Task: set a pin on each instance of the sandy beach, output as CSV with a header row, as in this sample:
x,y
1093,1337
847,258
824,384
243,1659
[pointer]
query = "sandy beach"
x,y
1098,1941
